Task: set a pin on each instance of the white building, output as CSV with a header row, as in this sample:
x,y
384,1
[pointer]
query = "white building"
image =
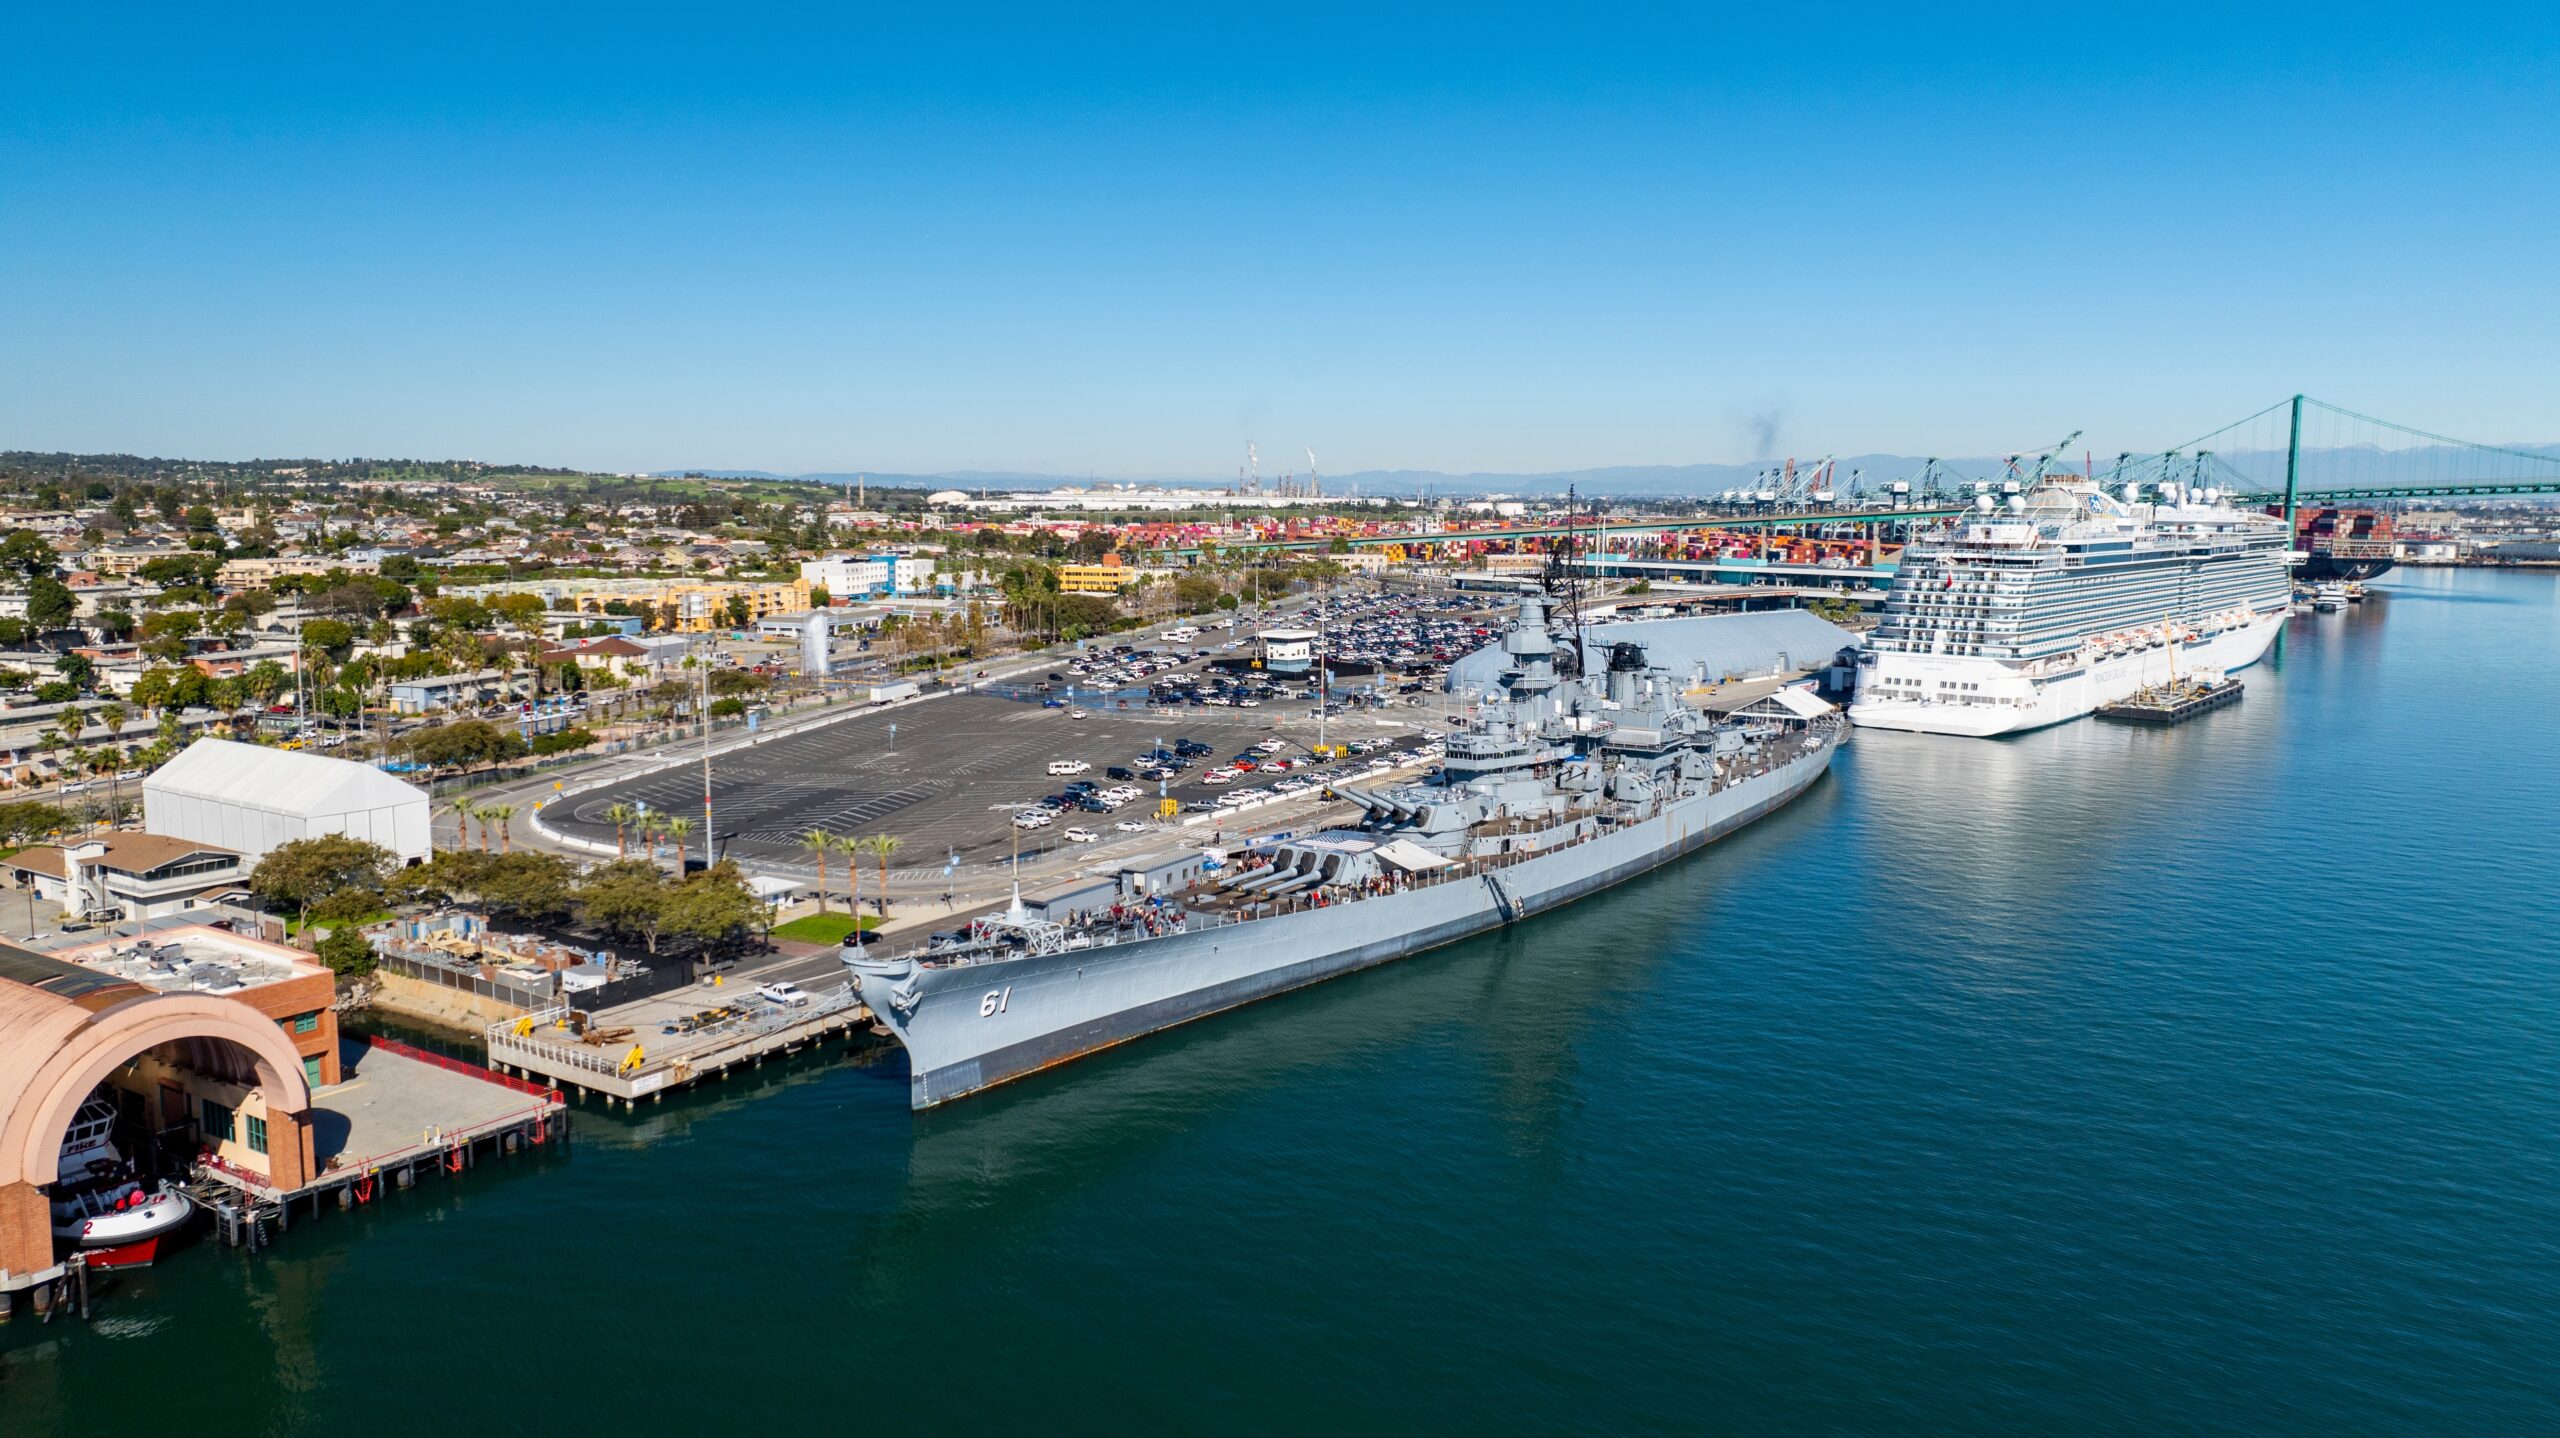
x,y
252,799
850,576
127,876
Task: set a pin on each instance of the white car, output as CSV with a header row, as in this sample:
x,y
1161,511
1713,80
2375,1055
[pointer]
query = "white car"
x,y
1082,836
1219,776
1068,766
1075,713
1032,819
1130,826
785,993
1272,745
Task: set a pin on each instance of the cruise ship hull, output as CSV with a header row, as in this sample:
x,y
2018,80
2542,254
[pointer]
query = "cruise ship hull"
x,y
2060,698
970,1027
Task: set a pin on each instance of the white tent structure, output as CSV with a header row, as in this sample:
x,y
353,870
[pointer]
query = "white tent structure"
x,y
252,799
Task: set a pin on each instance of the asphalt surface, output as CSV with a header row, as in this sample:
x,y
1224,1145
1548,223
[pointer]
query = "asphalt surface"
x,y
946,781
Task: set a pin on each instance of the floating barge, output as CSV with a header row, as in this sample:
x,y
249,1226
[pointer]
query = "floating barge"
x,y
2172,703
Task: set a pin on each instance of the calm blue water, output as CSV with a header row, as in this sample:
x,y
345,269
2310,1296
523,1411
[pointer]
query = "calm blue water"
x,y
2100,1081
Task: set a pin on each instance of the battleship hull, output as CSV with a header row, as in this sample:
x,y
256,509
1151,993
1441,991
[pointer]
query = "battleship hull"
x,y
970,1027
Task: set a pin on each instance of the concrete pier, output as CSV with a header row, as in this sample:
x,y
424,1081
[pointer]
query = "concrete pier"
x,y
669,1045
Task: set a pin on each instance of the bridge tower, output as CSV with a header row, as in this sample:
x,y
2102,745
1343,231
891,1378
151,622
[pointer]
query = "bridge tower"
x,y
2292,469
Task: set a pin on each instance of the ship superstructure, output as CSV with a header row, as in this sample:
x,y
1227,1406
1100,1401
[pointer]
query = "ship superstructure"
x,y
2039,606
1560,783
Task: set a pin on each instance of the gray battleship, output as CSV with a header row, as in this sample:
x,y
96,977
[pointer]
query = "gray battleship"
x,y
1561,783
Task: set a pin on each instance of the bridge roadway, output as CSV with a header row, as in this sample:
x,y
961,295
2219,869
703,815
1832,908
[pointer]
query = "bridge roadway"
x,y
2477,490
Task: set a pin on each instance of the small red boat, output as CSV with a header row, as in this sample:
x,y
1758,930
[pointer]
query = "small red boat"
x,y
100,1209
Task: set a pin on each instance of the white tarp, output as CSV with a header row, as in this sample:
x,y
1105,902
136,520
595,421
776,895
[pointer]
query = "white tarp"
x,y
1409,856
249,798
1798,702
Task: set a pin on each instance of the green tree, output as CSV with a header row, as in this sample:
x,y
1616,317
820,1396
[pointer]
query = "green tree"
x,y
621,817
714,907
739,610
26,552
881,848
628,898
821,843
346,951
333,637
25,821
49,602
307,870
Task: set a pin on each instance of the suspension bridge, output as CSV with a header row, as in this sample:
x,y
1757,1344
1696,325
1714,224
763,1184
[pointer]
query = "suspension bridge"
x,y
2294,452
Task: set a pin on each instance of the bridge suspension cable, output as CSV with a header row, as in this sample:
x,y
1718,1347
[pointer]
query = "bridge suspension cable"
x,y
2308,449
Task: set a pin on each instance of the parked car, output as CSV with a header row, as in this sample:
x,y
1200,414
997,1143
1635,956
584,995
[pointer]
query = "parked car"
x,y
783,992
1082,836
1068,766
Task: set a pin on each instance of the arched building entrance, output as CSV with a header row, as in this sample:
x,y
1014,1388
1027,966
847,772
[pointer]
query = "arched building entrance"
x,y
211,1060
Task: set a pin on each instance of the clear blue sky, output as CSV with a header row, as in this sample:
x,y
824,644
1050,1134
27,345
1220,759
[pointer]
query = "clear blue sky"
x,y
1124,242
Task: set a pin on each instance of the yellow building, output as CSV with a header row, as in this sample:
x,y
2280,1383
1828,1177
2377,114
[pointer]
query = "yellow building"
x,y
1095,578
700,608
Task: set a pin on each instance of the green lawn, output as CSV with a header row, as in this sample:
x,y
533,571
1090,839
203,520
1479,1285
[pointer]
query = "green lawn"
x,y
294,926
822,928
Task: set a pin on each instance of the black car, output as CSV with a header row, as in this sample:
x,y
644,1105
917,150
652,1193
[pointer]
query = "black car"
x,y
1082,786
1118,771
1057,801
1190,748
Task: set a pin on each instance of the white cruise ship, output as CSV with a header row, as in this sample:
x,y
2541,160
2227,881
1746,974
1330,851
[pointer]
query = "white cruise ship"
x,y
2042,606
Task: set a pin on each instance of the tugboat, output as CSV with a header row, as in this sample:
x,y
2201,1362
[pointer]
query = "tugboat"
x,y
100,1208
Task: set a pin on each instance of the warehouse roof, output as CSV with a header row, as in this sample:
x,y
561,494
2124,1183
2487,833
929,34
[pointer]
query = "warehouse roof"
x,y
278,781
1711,646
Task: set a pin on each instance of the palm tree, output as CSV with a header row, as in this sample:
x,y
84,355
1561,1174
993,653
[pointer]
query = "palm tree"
x,y
820,843
679,830
502,813
109,760
853,871
621,817
461,823
880,847
112,715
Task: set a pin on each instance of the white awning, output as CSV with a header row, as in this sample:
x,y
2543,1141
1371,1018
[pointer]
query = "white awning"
x,y
1410,856
1798,702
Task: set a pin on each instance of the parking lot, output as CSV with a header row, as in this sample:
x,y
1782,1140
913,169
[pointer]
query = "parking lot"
x,y
947,780
951,777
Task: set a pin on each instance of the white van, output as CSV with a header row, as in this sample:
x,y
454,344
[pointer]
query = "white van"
x,y
1068,766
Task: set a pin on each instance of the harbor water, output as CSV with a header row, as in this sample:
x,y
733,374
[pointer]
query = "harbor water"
x,y
2099,1080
